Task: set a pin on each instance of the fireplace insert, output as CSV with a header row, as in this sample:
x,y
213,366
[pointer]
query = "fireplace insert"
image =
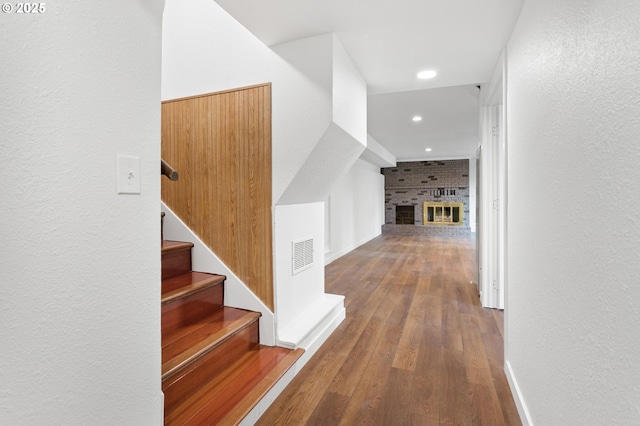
x,y
443,213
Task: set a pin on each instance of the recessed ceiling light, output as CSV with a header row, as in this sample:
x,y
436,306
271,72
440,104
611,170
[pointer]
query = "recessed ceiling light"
x,y
417,118
425,75
428,149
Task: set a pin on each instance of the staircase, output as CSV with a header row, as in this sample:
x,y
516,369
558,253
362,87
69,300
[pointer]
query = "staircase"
x,y
214,370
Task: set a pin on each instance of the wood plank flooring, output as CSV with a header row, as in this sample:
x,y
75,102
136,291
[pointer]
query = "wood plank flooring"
x,y
416,347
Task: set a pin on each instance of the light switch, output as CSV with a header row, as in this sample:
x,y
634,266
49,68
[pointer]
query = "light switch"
x,y
128,174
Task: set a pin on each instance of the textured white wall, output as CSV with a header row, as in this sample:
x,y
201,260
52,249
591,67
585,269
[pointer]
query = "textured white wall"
x,y
80,264
356,209
573,318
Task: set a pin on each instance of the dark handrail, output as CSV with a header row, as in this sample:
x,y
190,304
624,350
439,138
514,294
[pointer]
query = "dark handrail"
x,y
167,170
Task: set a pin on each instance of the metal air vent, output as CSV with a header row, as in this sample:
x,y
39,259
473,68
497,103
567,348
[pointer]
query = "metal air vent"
x,y
302,257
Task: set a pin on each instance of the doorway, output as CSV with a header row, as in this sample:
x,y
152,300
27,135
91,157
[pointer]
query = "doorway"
x,y
492,189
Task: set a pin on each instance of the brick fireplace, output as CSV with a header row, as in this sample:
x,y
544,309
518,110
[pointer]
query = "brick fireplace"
x,y
410,185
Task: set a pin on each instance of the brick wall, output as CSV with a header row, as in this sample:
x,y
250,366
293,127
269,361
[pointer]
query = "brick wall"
x,y
413,183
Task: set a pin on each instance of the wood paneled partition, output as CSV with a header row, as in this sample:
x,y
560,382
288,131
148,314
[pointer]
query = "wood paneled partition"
x,y
220,144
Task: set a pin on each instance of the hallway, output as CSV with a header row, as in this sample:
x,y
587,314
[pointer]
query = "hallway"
x,y
416,347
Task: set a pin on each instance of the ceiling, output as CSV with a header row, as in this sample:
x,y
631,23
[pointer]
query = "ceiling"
x,y
390,42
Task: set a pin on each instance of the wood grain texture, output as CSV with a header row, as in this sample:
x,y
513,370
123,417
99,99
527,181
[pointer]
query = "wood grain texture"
x,y
175,288
228,397
183,311
176,259
416,347
187,381
274,363
220,144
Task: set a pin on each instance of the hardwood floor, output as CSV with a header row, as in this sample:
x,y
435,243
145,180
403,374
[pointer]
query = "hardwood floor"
x,y
416,347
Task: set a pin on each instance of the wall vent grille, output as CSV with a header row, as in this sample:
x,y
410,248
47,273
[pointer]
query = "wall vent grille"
x,y
302,255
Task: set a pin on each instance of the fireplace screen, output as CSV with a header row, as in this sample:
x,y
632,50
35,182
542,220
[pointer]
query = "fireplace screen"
x,y
405,215
443,213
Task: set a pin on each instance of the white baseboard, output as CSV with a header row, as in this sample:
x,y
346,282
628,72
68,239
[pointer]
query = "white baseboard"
x,y
313,342
523,411
309,327
161,404
331,256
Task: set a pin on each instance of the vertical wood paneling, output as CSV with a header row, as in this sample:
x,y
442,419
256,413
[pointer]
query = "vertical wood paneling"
x,y
220,144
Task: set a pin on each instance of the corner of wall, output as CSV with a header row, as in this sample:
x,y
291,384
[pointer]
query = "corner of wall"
x,y
378,155
323,61
334,154
349,94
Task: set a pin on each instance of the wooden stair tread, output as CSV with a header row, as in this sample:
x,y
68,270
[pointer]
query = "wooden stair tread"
x,y
219,320
189,283
188,343
230,396
214,371
169,246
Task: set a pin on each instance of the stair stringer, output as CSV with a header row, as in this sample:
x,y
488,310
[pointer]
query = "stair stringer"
x,y
236,293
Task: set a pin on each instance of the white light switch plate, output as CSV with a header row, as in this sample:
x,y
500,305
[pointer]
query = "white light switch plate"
x,y
128,174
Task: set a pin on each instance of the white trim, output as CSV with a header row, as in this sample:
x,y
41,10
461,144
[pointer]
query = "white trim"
x,y
523,411
331,256
236,293
161,399
493,193
453,157
505,293
309,328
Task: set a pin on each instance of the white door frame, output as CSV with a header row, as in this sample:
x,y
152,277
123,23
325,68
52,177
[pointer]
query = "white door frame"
x,y
492,232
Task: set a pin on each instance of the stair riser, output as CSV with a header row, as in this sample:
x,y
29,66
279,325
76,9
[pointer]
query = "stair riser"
x,y
182,385
176,263
191,308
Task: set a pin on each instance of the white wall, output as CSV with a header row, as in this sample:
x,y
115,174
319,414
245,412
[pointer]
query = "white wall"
x,y
306,315
345,137
205,50
355,209
80,274
349,94
296,294
573,319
